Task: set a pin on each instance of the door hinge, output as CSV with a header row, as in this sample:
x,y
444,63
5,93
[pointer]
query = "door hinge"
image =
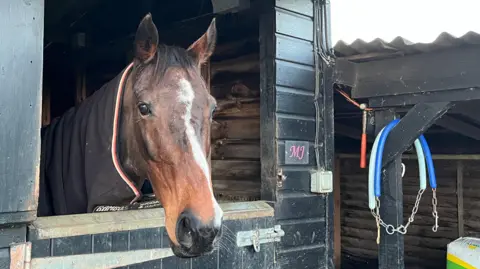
x,y
259,236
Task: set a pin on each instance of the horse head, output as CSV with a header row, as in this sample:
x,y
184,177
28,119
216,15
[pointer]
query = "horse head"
x,y
167,113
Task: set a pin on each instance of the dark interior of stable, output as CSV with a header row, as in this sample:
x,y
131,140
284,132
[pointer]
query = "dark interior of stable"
x,y
88,43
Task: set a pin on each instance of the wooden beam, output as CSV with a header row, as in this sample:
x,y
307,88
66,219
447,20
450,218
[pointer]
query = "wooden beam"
x,y
79,45
468,109
460,198
246,63
416,73
337,214
459,126
403,100
46,106
351,132
345,73
56,25
391,249
411,126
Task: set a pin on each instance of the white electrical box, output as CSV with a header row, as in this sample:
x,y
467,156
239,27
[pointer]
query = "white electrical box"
x,y
321,181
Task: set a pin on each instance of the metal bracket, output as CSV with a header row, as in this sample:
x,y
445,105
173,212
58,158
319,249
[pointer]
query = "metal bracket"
x,y
259,236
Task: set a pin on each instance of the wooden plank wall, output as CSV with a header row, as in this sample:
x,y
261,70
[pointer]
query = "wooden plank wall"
x,y
235,154
228,255
423,248
288,114
21,61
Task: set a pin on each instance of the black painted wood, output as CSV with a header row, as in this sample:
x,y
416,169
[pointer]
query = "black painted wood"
x,y
411,126
294,102
391,249
302,214
293,24
418,73
4,258
293,128
21,61
430,97
72,245
298,6
228,255
305,258
12,234
268,101
292,75
328,141
293,205
294,180
294,50
312,233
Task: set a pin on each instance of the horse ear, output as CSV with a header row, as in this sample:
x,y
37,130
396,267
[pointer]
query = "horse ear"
x,y
204,46
146,40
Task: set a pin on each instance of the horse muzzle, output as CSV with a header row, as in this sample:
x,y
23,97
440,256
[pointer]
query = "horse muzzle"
x,y
195,238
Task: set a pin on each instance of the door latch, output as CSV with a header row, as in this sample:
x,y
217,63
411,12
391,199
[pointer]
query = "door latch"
x,y
259,236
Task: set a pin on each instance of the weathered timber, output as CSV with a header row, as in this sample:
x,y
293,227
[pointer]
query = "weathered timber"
x,y
235,149
237,108
225,86
236,129
46,106
235,170
231,49
246,63
237,188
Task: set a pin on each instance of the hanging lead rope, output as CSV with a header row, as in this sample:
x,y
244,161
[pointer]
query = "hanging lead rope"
x,y
374,180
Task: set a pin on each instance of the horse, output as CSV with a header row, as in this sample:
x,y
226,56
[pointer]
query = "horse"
x,y
151,122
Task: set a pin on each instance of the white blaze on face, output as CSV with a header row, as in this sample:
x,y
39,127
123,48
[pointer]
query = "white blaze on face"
x,y
186,96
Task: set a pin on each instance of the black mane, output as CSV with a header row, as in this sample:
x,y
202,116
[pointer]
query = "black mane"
x,y
172,56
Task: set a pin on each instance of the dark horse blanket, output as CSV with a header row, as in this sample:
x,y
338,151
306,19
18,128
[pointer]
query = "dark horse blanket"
x,y
79,167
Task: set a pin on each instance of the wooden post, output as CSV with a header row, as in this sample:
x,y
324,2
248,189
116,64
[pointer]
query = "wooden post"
x,y
391,249
46,106
79,44
21,64
337,214
460,198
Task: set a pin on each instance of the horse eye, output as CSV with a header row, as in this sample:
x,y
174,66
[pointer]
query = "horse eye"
x,y
144,109
212,111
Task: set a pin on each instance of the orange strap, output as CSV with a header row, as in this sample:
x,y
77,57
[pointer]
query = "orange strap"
x,y
363,151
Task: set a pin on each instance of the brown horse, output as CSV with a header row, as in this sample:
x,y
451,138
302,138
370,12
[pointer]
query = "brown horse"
x,y
151,121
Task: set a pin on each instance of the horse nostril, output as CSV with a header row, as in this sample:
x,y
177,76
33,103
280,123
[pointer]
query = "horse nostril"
x,y
185,231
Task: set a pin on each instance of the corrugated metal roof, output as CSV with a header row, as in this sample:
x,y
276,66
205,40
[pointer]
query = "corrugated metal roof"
x,y
360,50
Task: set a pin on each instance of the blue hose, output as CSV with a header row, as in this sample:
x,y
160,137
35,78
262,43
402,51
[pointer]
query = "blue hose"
x,y
371,169
428,156
371,172
379,156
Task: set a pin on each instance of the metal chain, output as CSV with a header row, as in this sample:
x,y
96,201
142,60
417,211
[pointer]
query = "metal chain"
x,y
389,228
434,211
